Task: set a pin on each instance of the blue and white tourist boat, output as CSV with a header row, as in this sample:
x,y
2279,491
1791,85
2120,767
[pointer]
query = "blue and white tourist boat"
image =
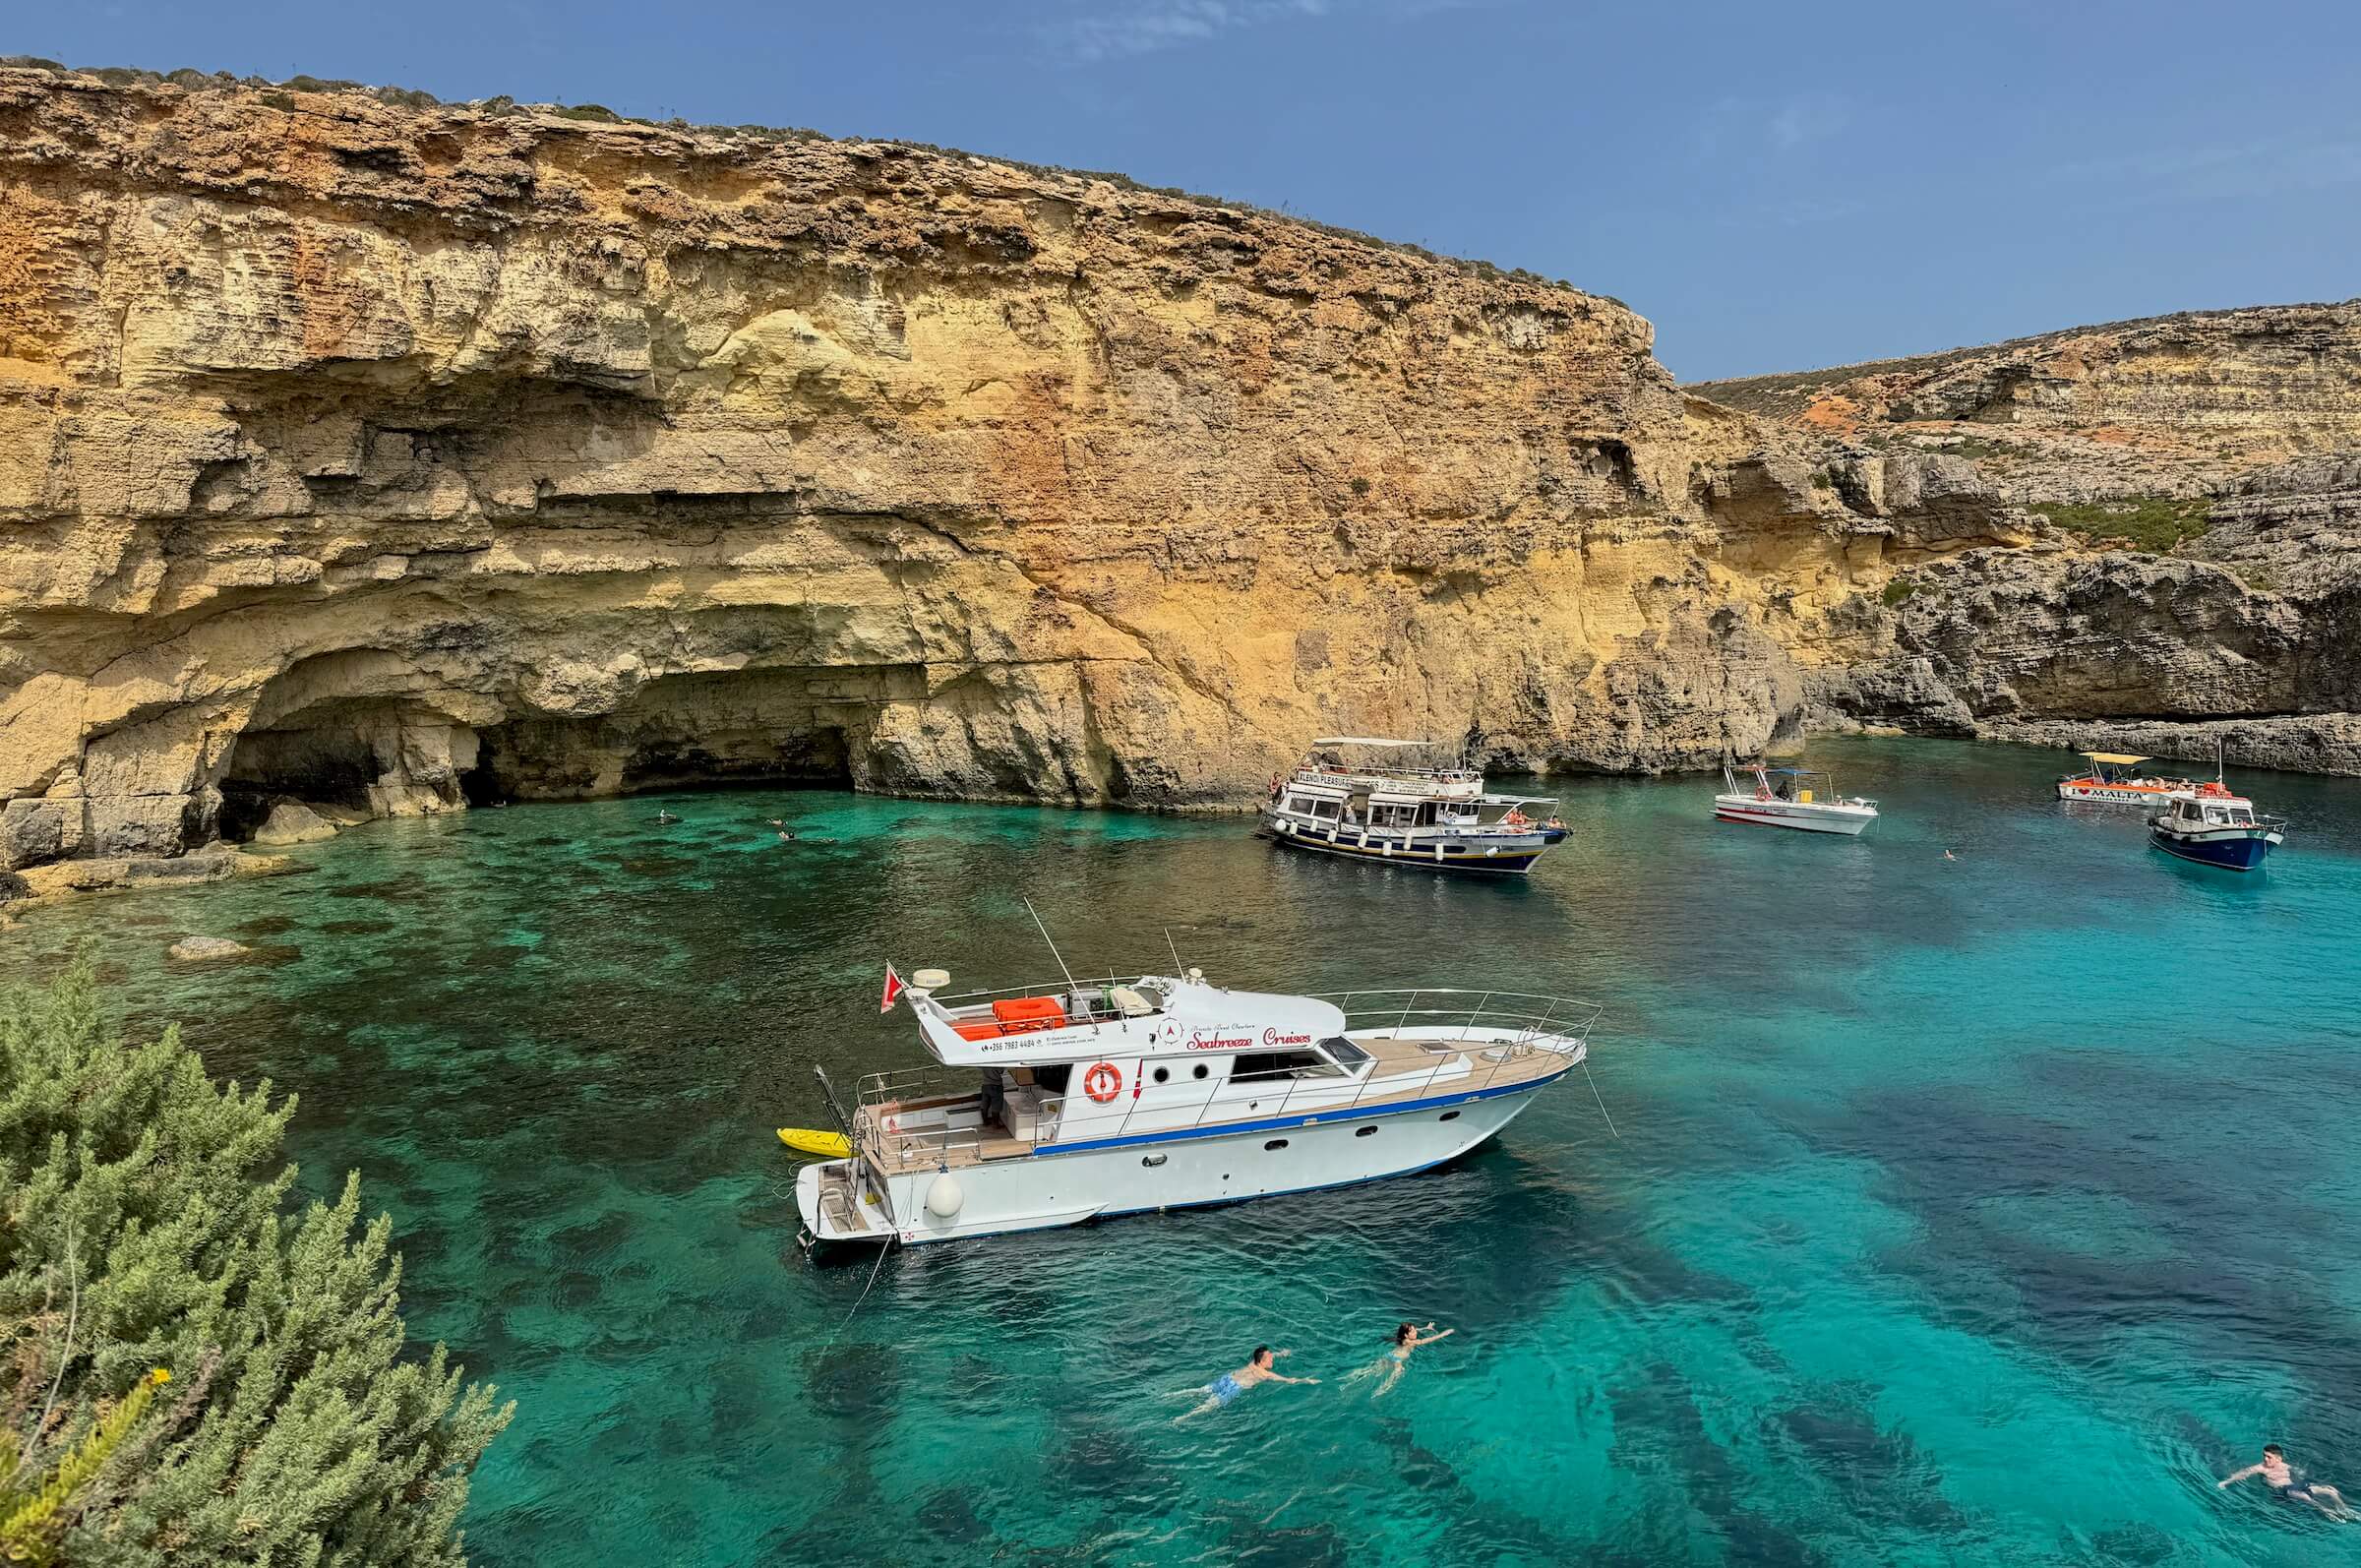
x,y
2212,826
1789,797
1425,815
1055,1105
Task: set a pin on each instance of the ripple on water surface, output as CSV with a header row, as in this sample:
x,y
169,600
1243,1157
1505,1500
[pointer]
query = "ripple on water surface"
x,y
1966,1210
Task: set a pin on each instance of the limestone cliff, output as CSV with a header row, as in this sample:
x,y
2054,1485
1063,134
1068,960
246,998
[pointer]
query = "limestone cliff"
x,y
383,458
2191,486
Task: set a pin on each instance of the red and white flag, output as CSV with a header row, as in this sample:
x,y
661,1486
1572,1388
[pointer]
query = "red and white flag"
x,y
893,989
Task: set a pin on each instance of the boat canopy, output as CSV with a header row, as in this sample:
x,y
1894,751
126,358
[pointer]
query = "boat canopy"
x,y
1518,799
2114,758
1398,798
1364,740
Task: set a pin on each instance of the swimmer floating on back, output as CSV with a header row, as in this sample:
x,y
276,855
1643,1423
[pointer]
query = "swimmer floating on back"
x,y
2280,1478
1409,1337
1227,1387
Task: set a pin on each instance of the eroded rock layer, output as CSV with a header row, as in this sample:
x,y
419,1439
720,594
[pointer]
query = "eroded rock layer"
x,y
2192,483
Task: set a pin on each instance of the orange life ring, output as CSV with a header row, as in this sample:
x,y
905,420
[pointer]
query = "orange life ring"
x,y
1102,1082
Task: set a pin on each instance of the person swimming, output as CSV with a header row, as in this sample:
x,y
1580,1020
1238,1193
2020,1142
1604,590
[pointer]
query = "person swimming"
x,y
1227,1387
2280,1478
1409,1337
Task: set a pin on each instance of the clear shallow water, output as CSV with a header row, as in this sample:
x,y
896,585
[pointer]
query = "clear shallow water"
x,y
1962,1210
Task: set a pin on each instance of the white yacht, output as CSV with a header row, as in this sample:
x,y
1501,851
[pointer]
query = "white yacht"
x,y
1055,1105
1424,814
1789,797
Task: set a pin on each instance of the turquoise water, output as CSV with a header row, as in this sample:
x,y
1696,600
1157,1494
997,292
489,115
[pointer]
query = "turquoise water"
x,y
1962,1210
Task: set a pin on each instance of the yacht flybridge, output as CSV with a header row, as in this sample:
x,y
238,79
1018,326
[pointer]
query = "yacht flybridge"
x,y
1399,804
1058,1104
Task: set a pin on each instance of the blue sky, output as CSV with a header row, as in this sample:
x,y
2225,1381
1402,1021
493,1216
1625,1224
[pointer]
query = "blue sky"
x,y
1775,186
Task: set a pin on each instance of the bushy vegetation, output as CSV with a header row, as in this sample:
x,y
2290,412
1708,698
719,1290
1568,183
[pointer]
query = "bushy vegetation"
x,y
190,1370
2154,524
1896,593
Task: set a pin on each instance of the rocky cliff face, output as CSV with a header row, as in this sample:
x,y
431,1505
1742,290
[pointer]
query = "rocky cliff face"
x,y
387,458
2191,486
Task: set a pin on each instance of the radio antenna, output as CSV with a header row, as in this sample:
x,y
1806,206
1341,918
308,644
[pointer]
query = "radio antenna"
x,y
1180,972
1044,936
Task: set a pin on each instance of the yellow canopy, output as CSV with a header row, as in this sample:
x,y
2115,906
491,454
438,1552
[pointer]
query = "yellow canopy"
x,y
2110,756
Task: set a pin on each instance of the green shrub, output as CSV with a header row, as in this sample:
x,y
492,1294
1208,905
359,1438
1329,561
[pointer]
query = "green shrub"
x,y
2154,524
148,1227
585,111
1896,591
276,99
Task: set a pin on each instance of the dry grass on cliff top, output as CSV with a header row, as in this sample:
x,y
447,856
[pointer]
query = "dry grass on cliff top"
x,y
278,95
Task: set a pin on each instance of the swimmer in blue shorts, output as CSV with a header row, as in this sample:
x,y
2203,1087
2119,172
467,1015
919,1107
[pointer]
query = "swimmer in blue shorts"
x,y
2280,1478
1227,1387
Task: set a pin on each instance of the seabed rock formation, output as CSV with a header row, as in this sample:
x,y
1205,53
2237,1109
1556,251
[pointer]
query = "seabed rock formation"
x,y
383,459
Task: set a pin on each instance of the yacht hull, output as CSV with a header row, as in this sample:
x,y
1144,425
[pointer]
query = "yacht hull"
x,y
1806,815
1492,855
1153,1171
2231,849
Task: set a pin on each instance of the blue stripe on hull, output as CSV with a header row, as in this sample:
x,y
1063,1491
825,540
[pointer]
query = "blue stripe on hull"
x,y
2230,854
1304,1119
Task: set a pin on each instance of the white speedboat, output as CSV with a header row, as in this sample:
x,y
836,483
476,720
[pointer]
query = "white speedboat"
x,y
1788,797
1059,1104
1424,813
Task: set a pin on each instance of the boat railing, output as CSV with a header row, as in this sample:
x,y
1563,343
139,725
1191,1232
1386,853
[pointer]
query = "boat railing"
x,y
878,1095
1530,1016
1515,1025
1059,987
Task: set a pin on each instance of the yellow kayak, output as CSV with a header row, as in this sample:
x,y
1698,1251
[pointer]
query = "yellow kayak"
x,y
808,1140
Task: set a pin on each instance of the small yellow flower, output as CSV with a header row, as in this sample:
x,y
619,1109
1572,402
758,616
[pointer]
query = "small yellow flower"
x,y
160,1377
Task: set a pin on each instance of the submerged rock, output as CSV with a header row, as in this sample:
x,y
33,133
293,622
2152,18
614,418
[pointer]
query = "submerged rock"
x,y
293,823
194,948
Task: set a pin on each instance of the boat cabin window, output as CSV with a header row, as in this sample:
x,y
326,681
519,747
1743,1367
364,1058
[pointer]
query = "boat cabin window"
x,y
1252,1065
1052,1080
1344,1052
2240,817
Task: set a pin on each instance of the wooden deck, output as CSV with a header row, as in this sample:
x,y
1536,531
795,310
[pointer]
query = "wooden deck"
x,y
1395,1060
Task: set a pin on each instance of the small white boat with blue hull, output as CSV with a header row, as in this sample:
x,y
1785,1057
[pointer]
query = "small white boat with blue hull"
x,y
2212,826
1053,1105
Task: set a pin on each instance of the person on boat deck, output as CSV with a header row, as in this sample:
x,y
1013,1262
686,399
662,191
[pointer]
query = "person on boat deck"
x,y
1555,820
2280,1478
1516,818
1388,1368
1785,789
1227,1387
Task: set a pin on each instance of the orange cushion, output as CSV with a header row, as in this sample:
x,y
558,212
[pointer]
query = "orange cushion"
x,y
1046,1008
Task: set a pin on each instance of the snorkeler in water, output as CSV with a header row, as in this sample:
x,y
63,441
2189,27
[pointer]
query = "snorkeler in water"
x,y
1388,1368
1227,1387
2280,1478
